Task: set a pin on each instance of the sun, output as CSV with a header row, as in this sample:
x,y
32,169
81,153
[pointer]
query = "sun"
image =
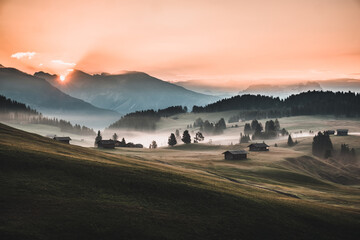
x,y
62,78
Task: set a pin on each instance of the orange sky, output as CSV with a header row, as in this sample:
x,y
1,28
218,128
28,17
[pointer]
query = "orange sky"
x,y
209,40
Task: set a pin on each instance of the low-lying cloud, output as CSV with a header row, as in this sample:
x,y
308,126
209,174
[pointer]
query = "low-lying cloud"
x,y
63,63
20,55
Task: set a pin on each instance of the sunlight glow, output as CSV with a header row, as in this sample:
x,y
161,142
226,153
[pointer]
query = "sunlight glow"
x,y
62,78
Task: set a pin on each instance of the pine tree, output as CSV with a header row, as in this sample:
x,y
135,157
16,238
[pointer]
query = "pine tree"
x,y
290,142
186,138
98,138
115,137
172,140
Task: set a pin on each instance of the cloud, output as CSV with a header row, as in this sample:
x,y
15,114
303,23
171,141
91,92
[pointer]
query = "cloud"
x,y
20,55
63,63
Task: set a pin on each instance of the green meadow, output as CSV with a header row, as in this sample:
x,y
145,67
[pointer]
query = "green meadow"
x,y
51,190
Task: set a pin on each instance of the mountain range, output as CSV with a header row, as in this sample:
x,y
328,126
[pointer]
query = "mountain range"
x,y
281,91
40,95
127,92
273,89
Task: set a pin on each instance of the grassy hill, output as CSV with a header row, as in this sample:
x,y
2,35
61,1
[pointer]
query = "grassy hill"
x,y
50,190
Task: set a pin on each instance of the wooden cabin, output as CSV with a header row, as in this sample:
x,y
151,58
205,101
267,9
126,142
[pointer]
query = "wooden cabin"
x,y
108,144
63,139
235,155
330,132
258,147
342,132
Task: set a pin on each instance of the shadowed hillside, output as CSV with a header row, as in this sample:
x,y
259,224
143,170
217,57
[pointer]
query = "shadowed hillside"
x,y
54,191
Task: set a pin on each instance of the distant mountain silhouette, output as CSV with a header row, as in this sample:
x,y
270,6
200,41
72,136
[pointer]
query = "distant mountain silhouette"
x,y
128,92
40,95
344,84
281,91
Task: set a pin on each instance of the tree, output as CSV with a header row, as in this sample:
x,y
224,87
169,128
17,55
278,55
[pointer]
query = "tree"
x,y
186,138
123,142
115,137
244,138
198,137
284,132
172,140
153,144
177,133
247,128
98,138
322,145
221,124
254,124
198,122
290,142
277,125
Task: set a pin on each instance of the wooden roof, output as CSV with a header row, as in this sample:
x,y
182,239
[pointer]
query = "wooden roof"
x,y
258,145
62,138
236,152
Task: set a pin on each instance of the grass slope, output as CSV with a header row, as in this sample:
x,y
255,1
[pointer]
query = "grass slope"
x,y
54,191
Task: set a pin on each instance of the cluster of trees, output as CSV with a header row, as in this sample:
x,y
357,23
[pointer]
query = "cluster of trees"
x,y
291,142
307,103
65,126
347,153
146,120
14,111
210,128
186,138
117,143
246,115
322,145
272,129
244,102
244,138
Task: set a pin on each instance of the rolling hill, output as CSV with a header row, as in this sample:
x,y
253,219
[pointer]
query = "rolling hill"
x,y
61,191
128,92
42,96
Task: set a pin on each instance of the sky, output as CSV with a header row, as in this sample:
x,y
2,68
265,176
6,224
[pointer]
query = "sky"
x,y
219,42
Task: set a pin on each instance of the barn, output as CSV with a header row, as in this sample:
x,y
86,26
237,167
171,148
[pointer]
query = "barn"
x,y
63,139
235,155
258,147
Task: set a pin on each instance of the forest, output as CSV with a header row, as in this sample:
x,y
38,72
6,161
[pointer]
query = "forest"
x,y
307,103
14,111
147,119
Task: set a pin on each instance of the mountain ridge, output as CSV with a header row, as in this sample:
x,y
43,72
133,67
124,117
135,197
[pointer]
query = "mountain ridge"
x,y
128,92
44,97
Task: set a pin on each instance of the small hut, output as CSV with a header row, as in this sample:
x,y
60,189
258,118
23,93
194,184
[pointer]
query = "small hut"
x,y
235,155
63,139
258,147
330,132
109,144
342,132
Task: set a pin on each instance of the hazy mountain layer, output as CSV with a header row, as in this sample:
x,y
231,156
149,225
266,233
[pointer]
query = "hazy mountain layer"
x,y
127,92
40,95
281,90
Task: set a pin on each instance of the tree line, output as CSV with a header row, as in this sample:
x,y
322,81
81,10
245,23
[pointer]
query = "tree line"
x,y
209,127
306,103
147,119
11,110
